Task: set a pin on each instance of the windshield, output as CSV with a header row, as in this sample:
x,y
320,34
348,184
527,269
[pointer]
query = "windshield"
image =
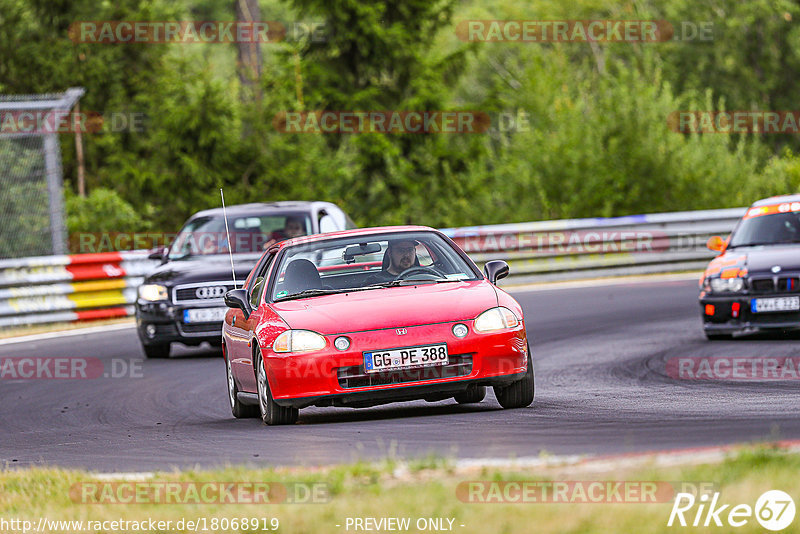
x,y
771,229
251,233
372,262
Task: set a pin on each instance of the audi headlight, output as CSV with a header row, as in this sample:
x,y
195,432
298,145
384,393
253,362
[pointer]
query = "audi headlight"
x,y
727,285
152,292
496,319
298,341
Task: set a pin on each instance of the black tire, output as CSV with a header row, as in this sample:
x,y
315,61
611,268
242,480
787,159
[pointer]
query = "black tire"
x,y
156,351
271,412
239,410
718,337
472,395
518,394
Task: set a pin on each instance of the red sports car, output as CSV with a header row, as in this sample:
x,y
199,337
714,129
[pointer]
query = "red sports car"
x,y
372,316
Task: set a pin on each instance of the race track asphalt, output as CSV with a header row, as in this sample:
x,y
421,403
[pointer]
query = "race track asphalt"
x,y
601,388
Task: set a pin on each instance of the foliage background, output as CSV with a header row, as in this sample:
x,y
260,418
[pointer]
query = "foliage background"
x,y
598,142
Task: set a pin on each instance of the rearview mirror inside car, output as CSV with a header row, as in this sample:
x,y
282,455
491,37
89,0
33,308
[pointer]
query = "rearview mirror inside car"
x,y
361,249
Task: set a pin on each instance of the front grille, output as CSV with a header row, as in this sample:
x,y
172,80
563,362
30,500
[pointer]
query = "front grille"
x,y
785,284
197,329
789,284
356,377
188,293
763,285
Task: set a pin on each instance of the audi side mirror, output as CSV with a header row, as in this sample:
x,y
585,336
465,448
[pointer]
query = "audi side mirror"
x,y
237,298
158,254
495,270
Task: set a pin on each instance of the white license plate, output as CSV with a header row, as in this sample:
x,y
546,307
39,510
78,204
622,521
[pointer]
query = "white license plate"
x,y
204,315
405,358
779,304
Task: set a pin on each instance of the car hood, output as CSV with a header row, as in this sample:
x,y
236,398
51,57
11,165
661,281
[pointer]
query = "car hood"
x,y
755,260
201,270
392,307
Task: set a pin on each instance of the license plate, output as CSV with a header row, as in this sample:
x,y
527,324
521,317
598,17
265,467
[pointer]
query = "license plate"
x,y
204,315
405,358
779,304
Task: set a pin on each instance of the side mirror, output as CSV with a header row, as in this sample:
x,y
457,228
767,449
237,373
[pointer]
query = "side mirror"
x,y
716,243
495,270
158,254
237,298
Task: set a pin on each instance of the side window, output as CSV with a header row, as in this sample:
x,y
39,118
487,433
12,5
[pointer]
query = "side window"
x,y
326,223
424,255
259,282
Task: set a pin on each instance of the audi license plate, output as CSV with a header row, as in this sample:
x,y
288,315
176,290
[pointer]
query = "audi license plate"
x,y
780,304
405,358
204,315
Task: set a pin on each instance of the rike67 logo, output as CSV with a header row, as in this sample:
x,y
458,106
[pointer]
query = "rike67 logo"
x,y
774,510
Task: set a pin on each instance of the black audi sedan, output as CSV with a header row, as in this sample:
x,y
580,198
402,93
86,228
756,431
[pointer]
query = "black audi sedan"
x,y
754,284
182,300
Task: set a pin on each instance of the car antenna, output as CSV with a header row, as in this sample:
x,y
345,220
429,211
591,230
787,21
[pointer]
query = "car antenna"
x,y
228,236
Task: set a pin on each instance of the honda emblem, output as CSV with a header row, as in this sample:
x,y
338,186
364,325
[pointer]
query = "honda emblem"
x,y
401,331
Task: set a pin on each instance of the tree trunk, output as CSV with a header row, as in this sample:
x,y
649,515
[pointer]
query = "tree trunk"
x,y
249,57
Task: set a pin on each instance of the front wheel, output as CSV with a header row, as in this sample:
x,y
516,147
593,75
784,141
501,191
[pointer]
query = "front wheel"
x,y
517,394
472,395
156,351
718,337
271,412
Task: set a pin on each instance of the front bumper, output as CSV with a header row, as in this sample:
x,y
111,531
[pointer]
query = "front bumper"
x,y
162,322
337,378
720,315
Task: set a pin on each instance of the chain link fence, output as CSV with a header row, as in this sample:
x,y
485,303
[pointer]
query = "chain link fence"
x,y
32,218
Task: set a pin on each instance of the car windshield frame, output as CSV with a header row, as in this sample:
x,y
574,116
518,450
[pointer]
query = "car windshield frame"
x,y
217,238
752,237
468,271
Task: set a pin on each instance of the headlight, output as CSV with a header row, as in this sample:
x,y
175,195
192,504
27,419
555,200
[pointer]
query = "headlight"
x,y
727,285
152,292
495,319
298,341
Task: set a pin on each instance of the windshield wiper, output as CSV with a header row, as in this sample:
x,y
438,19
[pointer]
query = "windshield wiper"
x,y
310,293
764,244
412,282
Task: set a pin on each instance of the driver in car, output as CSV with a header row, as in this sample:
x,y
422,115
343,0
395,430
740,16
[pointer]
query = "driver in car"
x,y
402,255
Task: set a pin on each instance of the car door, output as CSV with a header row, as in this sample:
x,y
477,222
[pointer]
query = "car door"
x,y
244,329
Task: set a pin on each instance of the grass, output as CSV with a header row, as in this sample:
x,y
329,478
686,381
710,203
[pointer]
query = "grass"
x,y
425,488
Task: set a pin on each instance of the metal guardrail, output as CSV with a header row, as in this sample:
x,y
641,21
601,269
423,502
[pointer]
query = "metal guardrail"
x,y
94,286
596,247
68,288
